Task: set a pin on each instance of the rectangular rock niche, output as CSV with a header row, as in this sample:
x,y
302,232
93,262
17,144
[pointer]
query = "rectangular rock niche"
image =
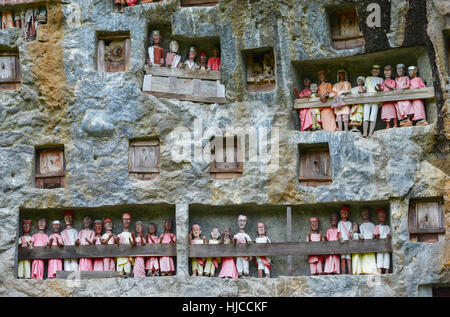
x,y
345,29
9,69
226,157
50,169
144,159
360,65
426,219
149,213
113,52
260,70
278,230
172,80
315,165
198,3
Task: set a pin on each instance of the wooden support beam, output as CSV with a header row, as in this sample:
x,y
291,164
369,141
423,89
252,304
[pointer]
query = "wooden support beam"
x,y
291,248
185,73
184,97
96,251
395,95
12,3
86,275
289,236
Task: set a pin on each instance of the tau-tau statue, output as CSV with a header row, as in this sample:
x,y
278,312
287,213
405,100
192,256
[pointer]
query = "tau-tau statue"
x,y
388,111
173,60
342,111
69,235
119,5
315,261
39,239
24,266
332,265
345,234
215,62
212,264
242,263
7,20
262,262
203,65
229,269
155,51
315,112
124,264
30,25
166,264
306,121
84,236
356,257
190,62
382,231
55,239
373,84
98,264
132,3
152,263
325,91
357,111
368,261
416,82
405,108
109,264
139,261
197,263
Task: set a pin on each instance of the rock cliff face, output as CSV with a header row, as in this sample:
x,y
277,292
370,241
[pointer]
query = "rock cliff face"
x,y
64,100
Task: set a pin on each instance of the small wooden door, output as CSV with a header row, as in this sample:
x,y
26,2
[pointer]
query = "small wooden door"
x,y
426,220
113,54
144,159
345,30
226,158
197,3
315,167
50,168
7,68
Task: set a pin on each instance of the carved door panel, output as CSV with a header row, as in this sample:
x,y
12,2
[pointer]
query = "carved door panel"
x,y
7,68
315,167
349,26
51,163
428,215
144,158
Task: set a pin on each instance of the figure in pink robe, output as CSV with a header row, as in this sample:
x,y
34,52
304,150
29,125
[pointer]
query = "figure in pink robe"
x,y
166,264
388,109
215,62
419,107
98,228
109,264
404,108
55,239
84,236
229,269
332,262
315,261
305,115
39,239
139,261
152,262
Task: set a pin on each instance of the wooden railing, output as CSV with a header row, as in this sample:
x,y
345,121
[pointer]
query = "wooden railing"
x,y
376,97
16,2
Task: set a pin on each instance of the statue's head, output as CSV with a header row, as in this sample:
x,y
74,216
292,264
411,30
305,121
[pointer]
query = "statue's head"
x,y
56,226
242,222
98,226
174,47
376,70
68,217
156,37
314,223
388,71
126,220
108,224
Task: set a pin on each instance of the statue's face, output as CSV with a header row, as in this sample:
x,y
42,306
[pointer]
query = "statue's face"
x,y
314,88
196,232
98,227
261,229
226,232
334,220
361,82
56,227
108,226
156,38
26,228
307,82
242,223
168,225
215,52
42,224
343,213
203,59
139,228
412,73
174,46
151,229
215,233
400,71
365,214
68,219
381,217
87,222
126,221
322,77
192,54
342,76
388,73
355,227
314,225
376,72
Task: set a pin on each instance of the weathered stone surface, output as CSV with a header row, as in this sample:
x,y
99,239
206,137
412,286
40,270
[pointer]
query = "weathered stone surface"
x,y
64,100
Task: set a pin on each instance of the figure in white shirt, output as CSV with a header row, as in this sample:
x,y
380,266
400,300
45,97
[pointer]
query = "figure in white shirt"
x,y
262,262
382,231
242,263
345,234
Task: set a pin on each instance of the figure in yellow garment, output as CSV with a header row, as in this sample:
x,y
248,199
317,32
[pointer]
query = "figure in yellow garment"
x,y
197,263
356,257
124,264
368,261
373,84
357,111
315,112
212,264
24,266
